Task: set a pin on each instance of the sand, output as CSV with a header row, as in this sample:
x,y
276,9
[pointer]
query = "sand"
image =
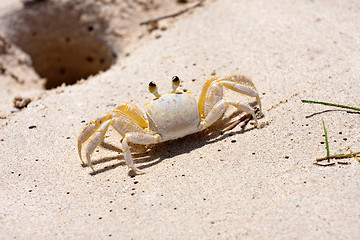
x,y
243,184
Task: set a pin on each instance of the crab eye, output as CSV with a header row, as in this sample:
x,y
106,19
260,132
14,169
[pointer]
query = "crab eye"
x,y
175,83
175,79
153,89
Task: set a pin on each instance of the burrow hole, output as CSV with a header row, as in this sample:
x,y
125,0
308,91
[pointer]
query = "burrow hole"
x,y
63,48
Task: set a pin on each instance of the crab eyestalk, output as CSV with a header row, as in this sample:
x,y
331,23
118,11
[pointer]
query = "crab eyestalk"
x,y
175,83
153,89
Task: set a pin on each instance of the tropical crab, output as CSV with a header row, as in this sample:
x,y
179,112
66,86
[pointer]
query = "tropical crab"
x,y
169,116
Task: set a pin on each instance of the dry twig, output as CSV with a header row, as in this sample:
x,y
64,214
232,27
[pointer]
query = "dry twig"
x,y
150,21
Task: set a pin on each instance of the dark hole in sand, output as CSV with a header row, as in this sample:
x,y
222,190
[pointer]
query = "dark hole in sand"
x,y
63,49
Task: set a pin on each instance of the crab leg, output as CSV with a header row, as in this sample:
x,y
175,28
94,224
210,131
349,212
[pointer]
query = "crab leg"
x,y
218,110
125,118
88,131
212,91
211,94
137,138
242,89
133,112
243,107
96,141
124,124
241,79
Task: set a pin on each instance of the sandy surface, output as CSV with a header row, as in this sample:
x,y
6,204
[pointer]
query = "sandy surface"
x,y
252,184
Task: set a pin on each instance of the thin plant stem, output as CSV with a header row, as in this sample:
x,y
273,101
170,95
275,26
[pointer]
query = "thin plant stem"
x,y
338,156
326,141
171,15
331,104
355,156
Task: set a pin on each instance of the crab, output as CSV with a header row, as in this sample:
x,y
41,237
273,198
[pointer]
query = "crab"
x,y
168,116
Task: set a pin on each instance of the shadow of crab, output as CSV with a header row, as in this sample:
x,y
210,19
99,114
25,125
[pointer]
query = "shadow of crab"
x,y
157,153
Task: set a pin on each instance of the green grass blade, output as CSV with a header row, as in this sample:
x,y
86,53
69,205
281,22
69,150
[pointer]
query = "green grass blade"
x,y
331,104
326,141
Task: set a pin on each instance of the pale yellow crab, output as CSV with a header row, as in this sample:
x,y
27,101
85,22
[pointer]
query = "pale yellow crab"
x,y
169,116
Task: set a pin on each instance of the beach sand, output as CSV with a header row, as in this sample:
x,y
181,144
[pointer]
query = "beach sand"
x,y
256,183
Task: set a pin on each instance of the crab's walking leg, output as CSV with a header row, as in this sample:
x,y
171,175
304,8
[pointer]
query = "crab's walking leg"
x,y
242,89
218,110
240,79
88,131
96,141
212,91
243,107
133,112
127,117
137,138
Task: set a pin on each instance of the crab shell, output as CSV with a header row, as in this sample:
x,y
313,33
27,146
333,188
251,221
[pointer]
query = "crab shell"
x,y
173,115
